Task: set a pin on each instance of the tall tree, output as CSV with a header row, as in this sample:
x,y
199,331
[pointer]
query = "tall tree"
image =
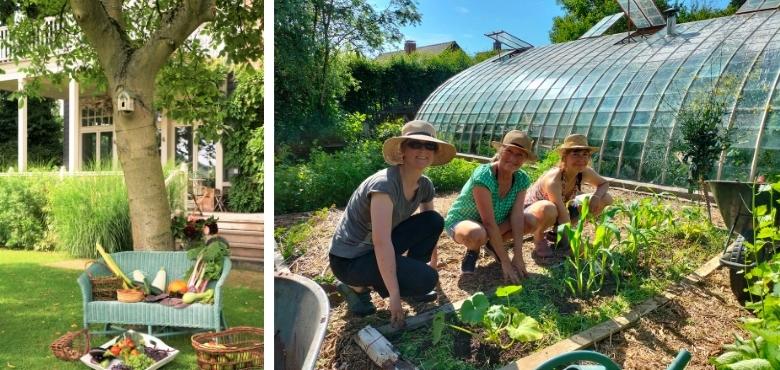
x,y
126,47
309,35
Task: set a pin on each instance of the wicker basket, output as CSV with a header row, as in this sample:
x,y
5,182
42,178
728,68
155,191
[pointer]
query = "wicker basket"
x,y
129,295
103,287
71,346
236,348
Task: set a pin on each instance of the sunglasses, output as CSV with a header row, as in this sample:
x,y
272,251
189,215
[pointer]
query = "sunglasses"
x,y
414,144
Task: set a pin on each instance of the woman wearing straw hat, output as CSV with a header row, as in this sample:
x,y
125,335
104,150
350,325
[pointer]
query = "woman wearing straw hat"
x,y
554,199
378,227
489,208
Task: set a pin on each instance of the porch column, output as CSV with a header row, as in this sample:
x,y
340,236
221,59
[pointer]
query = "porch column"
x,y
219,167
74,121
22,130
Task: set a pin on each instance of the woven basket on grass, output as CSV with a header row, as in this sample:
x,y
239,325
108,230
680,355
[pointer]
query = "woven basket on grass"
x,y
236,348
103,287
71,346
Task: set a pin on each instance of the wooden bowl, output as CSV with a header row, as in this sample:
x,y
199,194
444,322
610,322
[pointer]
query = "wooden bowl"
x,y
129,295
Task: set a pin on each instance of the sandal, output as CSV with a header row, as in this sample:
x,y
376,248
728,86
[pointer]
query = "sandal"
x,y
543,249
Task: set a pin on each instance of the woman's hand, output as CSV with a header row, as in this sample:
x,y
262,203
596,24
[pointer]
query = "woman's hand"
x,y
397,313
509,272
519,264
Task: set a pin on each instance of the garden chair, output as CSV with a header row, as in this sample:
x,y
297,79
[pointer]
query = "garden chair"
x,y
601,361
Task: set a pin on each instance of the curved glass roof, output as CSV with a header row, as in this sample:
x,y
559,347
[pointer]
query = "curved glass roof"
x,y
624,97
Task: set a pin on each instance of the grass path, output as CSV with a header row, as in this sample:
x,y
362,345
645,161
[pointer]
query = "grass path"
x,y
39,303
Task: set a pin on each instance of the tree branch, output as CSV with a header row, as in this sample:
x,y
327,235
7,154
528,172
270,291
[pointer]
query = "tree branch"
x,y
175,26
110,43
114,10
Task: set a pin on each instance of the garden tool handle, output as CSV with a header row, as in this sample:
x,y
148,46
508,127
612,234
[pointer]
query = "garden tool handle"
x,y
681,361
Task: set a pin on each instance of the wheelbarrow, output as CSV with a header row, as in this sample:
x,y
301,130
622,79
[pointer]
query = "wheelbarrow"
x,y
735,202
301,311
569,360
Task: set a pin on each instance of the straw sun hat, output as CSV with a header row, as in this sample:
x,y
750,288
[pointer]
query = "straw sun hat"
x,y
518,139
421,131
575,142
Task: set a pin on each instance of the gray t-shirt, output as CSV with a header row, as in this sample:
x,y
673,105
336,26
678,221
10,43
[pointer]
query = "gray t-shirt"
x,y
353,235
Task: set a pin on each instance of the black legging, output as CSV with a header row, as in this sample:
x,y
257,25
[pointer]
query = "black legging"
x,y
418,236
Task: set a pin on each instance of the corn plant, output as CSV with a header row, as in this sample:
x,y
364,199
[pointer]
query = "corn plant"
x,y
590,261
495,320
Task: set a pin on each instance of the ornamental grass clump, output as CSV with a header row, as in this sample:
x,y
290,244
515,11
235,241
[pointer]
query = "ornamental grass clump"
x,y
89,210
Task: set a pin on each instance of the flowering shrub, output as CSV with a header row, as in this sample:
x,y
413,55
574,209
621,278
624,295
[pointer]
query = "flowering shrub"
x,y
190,230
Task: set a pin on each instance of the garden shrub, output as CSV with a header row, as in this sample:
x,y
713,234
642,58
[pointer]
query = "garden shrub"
x,y
326,178
451,176
23,222
88,210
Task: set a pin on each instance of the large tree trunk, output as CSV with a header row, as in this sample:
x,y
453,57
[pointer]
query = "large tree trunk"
x,y
132,69
136,143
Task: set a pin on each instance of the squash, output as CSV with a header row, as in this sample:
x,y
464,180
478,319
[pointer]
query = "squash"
x,y
177,287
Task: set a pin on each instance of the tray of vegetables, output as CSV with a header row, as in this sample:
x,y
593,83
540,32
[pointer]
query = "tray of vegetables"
x,y
130,351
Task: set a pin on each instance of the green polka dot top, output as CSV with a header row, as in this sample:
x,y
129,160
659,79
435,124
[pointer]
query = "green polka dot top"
x,y
465,208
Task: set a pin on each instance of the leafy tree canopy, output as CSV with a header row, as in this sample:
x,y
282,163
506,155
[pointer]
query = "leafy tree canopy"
x,y
312,38
189,86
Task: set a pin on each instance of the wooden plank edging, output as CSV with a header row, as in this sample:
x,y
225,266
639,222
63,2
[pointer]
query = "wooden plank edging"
x,y
603,330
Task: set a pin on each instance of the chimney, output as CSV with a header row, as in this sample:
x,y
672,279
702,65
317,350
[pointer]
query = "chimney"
x,y
496,45
671,21
410,46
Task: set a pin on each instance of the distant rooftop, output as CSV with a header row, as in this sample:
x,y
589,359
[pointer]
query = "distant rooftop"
x,y
411,47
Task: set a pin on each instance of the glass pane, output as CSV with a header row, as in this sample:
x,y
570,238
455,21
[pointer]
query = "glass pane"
x,y
106,150
88,152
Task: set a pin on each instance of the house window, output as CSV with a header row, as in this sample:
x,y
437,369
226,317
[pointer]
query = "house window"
x,y
97,134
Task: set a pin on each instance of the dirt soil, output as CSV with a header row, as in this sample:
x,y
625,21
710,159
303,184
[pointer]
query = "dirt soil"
x,y
339,351
702,319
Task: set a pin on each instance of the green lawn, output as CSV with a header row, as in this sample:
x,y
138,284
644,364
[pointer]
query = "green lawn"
x,y
39,303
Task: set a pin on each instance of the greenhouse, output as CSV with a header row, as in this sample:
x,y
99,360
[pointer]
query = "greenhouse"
x,y
624,92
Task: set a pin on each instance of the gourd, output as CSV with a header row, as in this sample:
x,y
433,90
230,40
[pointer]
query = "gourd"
x,y
177,287
159,280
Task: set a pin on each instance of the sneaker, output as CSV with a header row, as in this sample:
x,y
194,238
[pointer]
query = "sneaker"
x,y
469,263
423,298
359,303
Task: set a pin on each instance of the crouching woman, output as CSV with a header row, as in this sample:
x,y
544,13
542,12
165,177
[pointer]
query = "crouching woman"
x,y
556,196
379,226
489,208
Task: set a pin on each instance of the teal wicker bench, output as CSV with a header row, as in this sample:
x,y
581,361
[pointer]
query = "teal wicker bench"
x,y
160,320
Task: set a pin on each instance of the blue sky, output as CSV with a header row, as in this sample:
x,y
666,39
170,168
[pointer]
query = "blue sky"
x,y
467,21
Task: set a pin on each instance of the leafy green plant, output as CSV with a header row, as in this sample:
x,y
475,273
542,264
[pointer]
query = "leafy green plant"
x,y
494,320
762,349
326,178
451,176
590,261
23,218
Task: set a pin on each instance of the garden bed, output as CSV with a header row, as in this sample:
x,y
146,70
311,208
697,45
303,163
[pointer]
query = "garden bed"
x,y
544,296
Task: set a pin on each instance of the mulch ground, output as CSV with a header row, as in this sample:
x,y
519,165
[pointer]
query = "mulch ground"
x,y
701,319
339,351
